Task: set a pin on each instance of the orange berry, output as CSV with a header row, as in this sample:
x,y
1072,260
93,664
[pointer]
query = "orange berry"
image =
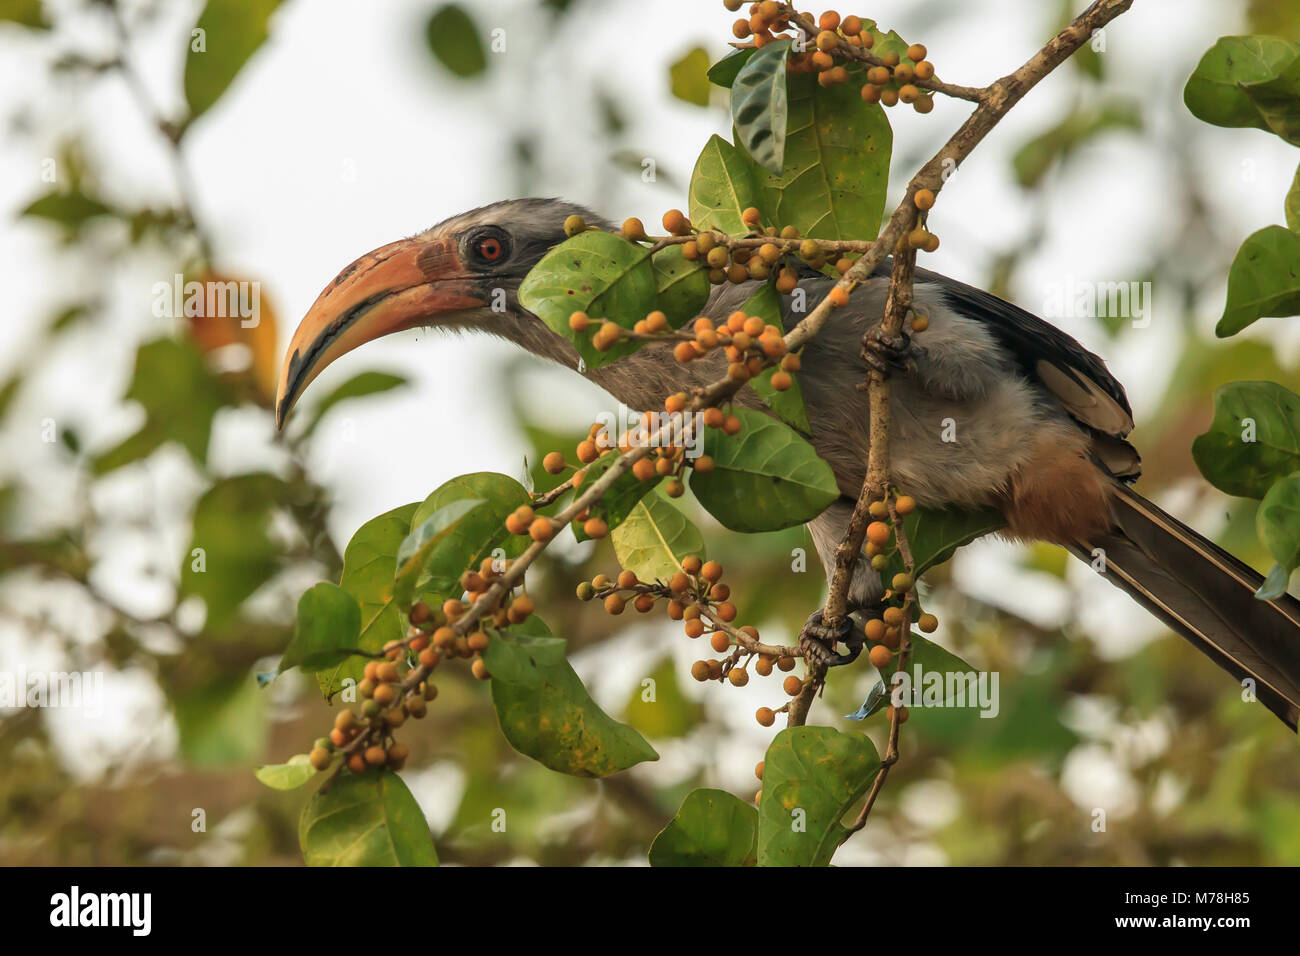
x,y
738,676
595,528
766,717
878,533
792,686
541,529
479,669
719,641
880,657
676,222
694,628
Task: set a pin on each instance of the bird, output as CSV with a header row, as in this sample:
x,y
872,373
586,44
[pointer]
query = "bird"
x,y
993,407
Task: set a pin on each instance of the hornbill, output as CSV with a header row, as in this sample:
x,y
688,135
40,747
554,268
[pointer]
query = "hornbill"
x,y
1039,423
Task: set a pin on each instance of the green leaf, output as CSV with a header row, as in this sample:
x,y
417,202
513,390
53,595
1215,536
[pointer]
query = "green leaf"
x,y
836,170
654,538
764,478
545,712
27,13
1254,439
287,776
180,399
232,30
476,535
70,208
1264,280
455,42
1293,203
328,627
367,819
658,708
930,658
1251,82
1278,522
811,776
420,552
621,497
231,553
358,386
759,107
368,563
724,72
222,723
1274,585
712,828
682,287
598,273
788,405
934,535
722,187
688,77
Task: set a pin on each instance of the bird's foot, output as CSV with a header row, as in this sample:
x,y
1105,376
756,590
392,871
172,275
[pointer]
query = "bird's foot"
x,y
886,352
818,640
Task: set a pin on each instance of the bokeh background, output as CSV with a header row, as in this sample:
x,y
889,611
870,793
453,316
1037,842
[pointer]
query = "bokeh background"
x,y
125,436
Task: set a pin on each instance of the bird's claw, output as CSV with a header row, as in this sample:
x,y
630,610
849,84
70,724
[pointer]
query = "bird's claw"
x,y
886,352
818,640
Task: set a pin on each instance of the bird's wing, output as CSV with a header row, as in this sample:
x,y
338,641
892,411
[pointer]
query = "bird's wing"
x,y
1076,377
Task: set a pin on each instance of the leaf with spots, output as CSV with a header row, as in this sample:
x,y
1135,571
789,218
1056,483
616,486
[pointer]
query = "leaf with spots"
x,y
598,273
832,184
681,286
724,72
1254,439
759,105
367,819
811,776
765,478
1264,280
712,828
546,713
1248,81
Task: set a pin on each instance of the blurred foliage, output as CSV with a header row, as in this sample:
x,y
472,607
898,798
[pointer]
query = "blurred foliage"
x,y
1207,780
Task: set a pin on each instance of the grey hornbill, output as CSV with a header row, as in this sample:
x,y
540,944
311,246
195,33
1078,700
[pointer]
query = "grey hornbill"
x,y
1039,423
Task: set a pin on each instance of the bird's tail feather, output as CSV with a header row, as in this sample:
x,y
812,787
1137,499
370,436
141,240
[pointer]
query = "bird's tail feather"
x,y
1206,595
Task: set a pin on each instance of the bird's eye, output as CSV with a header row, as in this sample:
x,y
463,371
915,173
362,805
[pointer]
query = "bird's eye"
x,y
488,246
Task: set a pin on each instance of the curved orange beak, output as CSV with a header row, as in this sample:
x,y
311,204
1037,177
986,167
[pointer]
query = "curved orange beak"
x,y
399,286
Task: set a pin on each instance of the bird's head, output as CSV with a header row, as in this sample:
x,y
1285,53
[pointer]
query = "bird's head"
x,y
462,273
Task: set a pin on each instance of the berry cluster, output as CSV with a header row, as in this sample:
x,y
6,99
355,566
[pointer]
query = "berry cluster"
x,y
398,686
830,38
696,596
885,632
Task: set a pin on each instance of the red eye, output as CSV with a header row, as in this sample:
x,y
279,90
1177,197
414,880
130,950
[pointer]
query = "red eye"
x,y
490,249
